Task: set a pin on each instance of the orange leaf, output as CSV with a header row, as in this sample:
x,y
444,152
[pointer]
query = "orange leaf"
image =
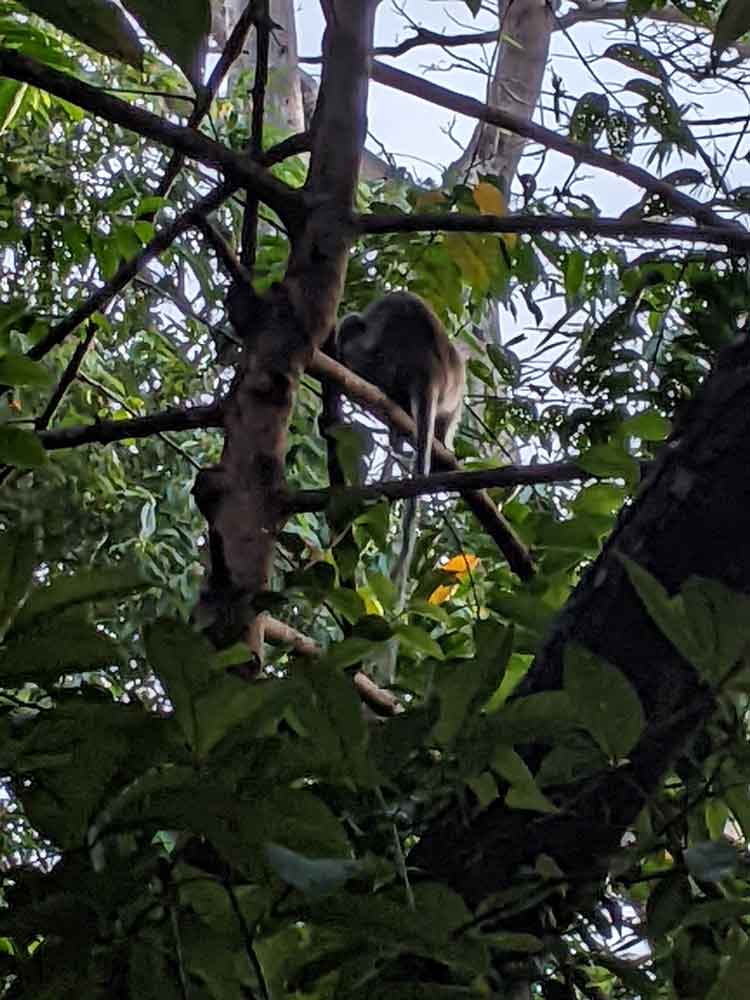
x,y
461,564
442,593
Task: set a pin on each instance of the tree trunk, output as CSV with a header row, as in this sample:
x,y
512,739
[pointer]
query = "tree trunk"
x,y
692,518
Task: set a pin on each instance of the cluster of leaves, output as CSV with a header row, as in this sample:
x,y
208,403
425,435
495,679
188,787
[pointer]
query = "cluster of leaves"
x,y
255,837
252,837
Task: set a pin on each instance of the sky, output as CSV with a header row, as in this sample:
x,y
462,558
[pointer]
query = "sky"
x,y
417,133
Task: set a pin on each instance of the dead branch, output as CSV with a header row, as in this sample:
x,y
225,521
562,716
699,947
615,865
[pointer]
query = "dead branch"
x,y
382,702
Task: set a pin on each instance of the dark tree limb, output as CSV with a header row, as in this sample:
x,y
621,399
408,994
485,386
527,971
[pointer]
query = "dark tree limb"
x,y
108,431
444,482
640,229
480,504
66,380
692,517
440,96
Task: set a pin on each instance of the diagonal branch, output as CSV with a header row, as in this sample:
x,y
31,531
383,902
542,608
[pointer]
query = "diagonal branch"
x,y
288,203
158,244
231,52
426,91
127,271
378,403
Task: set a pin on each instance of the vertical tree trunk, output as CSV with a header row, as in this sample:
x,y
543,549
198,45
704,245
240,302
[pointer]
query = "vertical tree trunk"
x,y
284,102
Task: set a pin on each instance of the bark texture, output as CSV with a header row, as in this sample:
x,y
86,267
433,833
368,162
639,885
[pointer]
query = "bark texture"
x,y
692,517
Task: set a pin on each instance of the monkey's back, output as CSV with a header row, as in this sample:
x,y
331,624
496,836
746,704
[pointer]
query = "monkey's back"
x,y
400,345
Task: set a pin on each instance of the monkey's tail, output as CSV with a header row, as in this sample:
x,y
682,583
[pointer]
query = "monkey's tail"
x,y
423,412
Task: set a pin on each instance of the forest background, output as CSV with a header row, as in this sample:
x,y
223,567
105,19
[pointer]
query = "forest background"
x,y
209,790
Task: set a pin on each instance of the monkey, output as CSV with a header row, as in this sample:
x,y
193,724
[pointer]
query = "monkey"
x,y
399,345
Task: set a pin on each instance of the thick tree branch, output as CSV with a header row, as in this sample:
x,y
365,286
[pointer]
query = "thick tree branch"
x,y
440,96
108,431
378,403
445,482
244,170
242,497
641,229
691,518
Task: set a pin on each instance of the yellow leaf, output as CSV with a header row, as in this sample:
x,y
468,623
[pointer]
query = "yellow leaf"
x,y
429,199
465,250
442,593
459,565
372,604
489,199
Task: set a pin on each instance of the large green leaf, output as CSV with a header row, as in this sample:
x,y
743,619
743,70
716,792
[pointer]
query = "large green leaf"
x,y
57,647
179,29
98,23
17,369
605,700
21,448
88,585
18,558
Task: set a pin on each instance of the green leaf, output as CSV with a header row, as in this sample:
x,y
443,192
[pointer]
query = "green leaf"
x,y
344,654
575,269
711,860
21,448
18,560
607,460
57,647
98,23
649,426
524,793
732,984
87,585
182,659
605,700
668,903
315,877
733,22
17,369
347,603
417,640
180,30
707,623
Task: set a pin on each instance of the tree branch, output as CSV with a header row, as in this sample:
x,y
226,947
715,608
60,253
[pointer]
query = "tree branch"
x,y
108,431
440,96
725,235
382,702
231,52
444,482
127,271
244,170
378,403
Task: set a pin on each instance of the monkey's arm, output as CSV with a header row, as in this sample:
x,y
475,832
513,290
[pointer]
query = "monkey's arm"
x,y
481,505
